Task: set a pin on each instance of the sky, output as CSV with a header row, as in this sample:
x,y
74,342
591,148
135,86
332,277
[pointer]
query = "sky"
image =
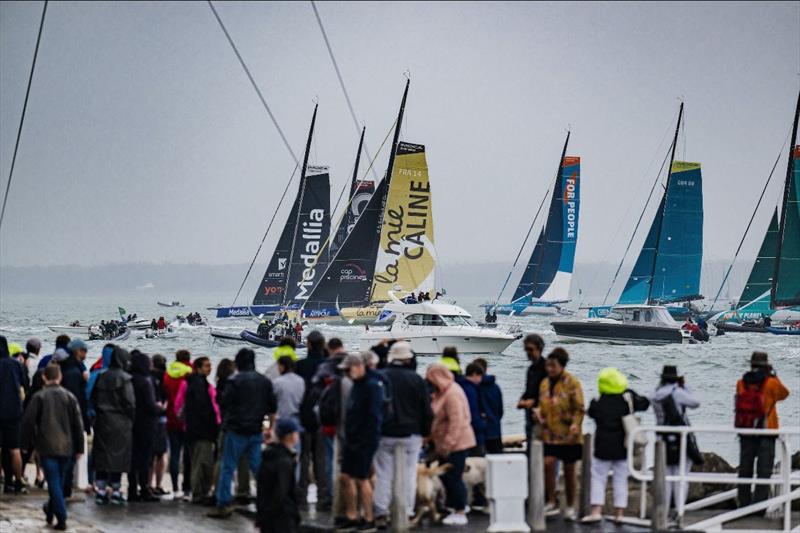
x,y
144,141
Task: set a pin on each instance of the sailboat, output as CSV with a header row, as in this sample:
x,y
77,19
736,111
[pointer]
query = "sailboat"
x,y
390,246
666,272
546,281
773,287
295,266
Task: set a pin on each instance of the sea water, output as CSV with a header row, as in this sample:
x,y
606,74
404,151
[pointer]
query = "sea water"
x,y
710,369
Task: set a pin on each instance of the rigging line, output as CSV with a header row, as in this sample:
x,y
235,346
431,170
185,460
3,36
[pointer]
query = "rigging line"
x,y
326,243
638,222
630,204
269,226
253,82
527,236
341,80
22,117
752,217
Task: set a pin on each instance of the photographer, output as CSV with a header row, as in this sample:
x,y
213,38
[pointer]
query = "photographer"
x,y
757,397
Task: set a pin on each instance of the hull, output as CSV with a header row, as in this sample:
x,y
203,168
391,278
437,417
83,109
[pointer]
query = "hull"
x,y
70,330
224,335
165,304
252,338
784,331
423,344
732,327
523,309
607,331
247,310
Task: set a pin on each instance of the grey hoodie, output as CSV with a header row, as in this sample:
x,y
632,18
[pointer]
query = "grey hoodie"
x,y
683,399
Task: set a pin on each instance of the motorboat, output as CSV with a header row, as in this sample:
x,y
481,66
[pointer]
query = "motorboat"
x,y
431,326
170,304
70,330
624,324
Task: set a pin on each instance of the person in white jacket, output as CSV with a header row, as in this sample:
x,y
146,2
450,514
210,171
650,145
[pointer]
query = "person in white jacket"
x,y
674,386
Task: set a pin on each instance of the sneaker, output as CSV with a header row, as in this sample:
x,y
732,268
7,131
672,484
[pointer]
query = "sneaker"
x,y
570,515
551,509
116,498
220,512
366,527
340,521
187,497
100,499
592,519
382,522
455,519
48,516
347,525
158,491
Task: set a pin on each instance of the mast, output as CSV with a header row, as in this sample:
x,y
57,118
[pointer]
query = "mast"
x,y
396,139
784,204
300,203
355,180
535,280
663,203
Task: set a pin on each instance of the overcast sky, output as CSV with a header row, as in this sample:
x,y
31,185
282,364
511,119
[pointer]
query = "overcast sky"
x,y
145,142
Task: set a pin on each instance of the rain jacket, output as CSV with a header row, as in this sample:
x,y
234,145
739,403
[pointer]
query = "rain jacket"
x,y
561,407
411,404
115,406
196,405
277,498
607,412
72,380
10,383
684,399
145,421
493,406
247,398
364,415
173,377
773,389
52,423
477,409
451,430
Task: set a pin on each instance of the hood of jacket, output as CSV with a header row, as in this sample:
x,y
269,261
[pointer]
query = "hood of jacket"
x,y
754,377
178,369
120,358
440,376
140,363
663,391
487,380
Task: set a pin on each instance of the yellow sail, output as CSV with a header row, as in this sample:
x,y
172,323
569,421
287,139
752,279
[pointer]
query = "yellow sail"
x,y
406,258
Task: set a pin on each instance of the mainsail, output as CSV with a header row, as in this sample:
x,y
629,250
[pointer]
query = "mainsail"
x,y
668,267
273,284
360,193
786,281
548,274
760,279
406,258
312,230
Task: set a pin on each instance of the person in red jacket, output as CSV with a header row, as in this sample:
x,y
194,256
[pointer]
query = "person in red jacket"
x,y
176,374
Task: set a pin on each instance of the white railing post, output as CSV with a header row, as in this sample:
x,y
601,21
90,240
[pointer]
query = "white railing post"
x,y
659,506
399,512
682,472
536,518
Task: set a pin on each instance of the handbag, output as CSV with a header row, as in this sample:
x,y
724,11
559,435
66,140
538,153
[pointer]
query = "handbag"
x,y
631,422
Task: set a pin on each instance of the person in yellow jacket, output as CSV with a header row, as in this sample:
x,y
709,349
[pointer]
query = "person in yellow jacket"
x,y
450,360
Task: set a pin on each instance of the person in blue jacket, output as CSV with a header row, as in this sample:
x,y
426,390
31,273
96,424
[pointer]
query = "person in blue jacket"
x,y
493,404
470,382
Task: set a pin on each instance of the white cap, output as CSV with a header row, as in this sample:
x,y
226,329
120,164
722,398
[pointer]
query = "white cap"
x,y
400,351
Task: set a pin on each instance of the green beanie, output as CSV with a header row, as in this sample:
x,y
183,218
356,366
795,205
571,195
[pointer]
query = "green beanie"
x,y
611,381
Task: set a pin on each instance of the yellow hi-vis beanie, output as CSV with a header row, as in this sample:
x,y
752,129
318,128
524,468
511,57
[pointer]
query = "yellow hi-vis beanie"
x,y
611,381
282,351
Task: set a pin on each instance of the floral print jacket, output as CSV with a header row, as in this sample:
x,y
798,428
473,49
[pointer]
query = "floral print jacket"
x,y
561,407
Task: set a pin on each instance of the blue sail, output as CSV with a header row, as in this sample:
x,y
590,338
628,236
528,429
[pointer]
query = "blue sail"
x,y
668,267
548,274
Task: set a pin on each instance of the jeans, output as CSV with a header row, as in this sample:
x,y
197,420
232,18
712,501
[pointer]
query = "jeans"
x,y
453,484
55,469
758,451
384,472
67,478
176,442
234,447
600,470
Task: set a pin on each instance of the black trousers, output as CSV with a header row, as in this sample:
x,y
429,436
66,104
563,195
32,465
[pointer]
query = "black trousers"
x,y
141,457
758,452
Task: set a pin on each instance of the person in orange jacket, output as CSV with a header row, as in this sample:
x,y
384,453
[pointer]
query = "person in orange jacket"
x,y
757,397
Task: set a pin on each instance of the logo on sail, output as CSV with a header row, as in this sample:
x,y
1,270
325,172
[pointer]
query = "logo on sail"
x,y
282,263
352,272
311,235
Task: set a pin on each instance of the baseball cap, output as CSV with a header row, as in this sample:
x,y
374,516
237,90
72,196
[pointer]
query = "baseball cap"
x,y
77,344
286,426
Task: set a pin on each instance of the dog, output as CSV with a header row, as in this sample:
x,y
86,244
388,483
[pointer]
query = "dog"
x,y
430,491
474,476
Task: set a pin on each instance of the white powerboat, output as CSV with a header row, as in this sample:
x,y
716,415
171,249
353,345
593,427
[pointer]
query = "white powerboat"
x,y
70,330
433,325
645,324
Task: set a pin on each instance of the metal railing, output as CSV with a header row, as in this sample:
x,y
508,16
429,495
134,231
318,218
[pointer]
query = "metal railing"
x,y
784,480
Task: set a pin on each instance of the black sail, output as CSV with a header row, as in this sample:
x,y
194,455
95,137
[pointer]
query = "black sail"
x,y
313,228
348,278
273,284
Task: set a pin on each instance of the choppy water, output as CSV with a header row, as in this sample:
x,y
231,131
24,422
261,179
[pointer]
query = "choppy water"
x,y
711,369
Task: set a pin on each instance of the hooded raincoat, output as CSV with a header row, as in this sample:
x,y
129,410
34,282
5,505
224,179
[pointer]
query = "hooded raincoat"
x,y
451,430
115,407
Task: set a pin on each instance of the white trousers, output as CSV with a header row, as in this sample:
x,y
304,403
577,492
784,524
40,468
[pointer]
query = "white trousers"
x,y
600,470
672,486
384,472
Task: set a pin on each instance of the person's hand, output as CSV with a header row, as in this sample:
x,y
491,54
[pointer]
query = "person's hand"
x,y
267,435
525,404
537,413
78,456
574,430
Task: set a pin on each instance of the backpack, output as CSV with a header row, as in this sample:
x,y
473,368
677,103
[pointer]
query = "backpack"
x,y
749,406
308,407
329,405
